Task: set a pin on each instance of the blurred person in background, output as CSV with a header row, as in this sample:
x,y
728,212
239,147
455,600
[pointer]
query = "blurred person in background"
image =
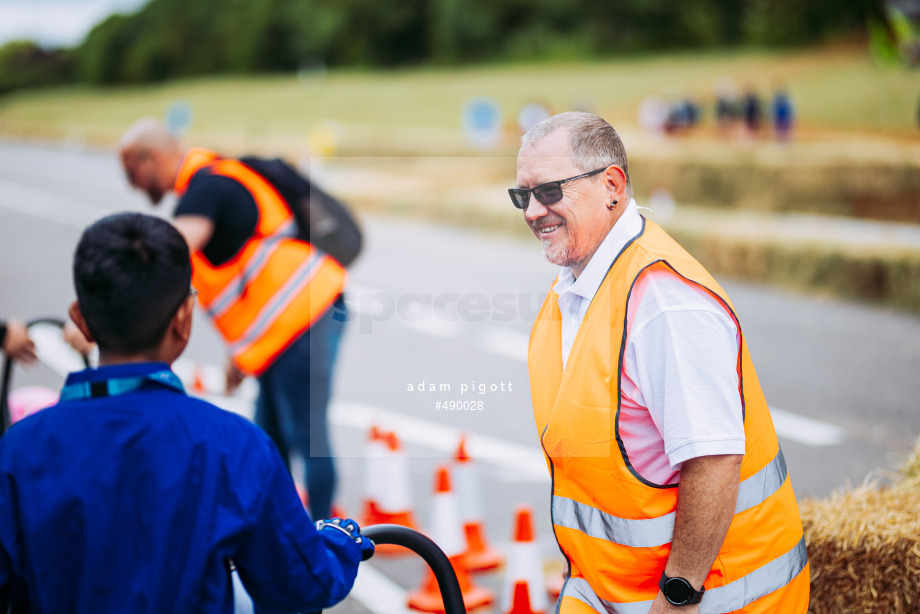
x,y
128,495
752,111
783,114
15,341
271,296
727,105
669,489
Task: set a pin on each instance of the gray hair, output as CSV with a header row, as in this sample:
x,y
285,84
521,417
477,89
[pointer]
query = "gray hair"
x,y
593,143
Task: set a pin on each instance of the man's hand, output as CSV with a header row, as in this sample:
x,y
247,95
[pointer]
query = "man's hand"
x,y
17,344
663,606
76,340
350,528
234,377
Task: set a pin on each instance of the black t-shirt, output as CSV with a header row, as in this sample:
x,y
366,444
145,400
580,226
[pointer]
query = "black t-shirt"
x,y
226,203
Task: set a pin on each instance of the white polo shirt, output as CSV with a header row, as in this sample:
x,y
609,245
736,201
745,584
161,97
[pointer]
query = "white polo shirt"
x,y
679,396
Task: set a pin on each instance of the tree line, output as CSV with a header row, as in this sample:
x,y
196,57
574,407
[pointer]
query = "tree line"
x,y
175,38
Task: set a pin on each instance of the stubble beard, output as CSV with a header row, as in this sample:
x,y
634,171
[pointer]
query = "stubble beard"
x,y
560,255
566,253
555,251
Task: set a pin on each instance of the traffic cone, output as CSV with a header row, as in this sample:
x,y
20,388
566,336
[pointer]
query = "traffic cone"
x,y
389,499
198,385
524,569
479,555
395,497
446,531
374,476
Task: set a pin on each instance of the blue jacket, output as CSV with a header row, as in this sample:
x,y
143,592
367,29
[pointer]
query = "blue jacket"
x,y
138,499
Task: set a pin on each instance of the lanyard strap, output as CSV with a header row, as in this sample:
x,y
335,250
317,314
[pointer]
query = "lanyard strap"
x,y
120,385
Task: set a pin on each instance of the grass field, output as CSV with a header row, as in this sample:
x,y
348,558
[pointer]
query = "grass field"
x,y
418,111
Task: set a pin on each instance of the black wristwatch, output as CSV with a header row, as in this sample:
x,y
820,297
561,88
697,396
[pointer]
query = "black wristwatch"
x,y
678,591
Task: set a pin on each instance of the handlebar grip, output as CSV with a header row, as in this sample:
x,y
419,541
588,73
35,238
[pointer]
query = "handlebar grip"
x,y
430,552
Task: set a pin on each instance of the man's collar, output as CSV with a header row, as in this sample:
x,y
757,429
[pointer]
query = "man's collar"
x,y
116,380
129,369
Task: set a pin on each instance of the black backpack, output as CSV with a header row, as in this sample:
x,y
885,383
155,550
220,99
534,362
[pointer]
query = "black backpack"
x,y
322,220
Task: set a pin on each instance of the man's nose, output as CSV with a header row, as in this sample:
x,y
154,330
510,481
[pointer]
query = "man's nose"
x,y
535,209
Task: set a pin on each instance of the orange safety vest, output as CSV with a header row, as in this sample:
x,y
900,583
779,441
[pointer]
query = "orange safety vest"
x,y
613,526
276,287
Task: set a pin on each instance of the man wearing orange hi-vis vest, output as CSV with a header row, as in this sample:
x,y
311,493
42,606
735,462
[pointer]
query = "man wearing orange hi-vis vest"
x,y
273,297
670,492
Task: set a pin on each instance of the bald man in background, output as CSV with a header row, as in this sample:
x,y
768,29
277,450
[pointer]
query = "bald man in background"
x,y
275,299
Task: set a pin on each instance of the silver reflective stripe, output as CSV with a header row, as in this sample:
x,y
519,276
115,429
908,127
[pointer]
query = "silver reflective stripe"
x,y
292,287
652,532
579,588
733,596
232,291
645,533
762,581
758,488
287,229
235,288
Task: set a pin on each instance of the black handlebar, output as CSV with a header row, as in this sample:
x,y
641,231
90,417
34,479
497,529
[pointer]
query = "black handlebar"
x,y
428,550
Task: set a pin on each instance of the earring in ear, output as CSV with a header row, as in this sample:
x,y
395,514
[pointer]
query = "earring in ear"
x,y
613,205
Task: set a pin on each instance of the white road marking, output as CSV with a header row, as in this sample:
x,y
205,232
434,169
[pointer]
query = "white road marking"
x,y
802,429
432,324
413,310
46,205
378,593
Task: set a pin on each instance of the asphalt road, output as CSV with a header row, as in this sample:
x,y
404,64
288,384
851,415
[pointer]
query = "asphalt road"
x,y
436,306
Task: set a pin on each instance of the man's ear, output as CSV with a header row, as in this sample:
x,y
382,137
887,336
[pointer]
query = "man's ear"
x,y
77,316
181,326
615,182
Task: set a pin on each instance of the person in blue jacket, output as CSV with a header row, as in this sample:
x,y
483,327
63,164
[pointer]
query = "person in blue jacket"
x,y
128,495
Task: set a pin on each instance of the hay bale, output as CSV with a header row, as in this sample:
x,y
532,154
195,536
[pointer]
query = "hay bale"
x,y
864,551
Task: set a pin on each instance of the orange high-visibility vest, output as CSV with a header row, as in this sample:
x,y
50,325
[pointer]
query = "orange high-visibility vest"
x,y
275,288
613,526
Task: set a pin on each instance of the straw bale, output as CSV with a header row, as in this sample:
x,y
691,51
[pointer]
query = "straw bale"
x,y
864,552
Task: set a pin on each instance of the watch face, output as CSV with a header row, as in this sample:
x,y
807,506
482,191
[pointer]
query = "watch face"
x,y
678,591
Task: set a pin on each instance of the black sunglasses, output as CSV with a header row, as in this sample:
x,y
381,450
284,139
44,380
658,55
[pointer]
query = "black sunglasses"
x,y
548,193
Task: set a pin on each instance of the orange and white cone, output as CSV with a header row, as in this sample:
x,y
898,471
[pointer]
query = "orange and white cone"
x,y
198,380
447,532
389,498
395,493
374,476
524,589
479,555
